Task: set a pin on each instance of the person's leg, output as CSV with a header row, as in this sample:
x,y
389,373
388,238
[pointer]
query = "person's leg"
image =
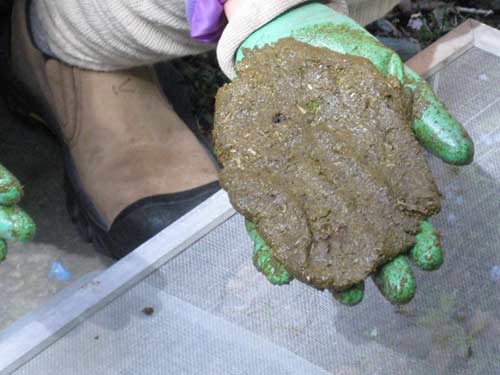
x,y
366,11
133,166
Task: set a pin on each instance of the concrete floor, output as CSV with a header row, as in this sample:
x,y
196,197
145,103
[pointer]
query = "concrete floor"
x,y
33,155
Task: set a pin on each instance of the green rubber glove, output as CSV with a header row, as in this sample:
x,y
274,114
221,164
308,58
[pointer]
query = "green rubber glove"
x,y
15,224
433,126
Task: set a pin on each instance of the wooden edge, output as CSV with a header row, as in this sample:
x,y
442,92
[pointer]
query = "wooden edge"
x,y
449,47
487,38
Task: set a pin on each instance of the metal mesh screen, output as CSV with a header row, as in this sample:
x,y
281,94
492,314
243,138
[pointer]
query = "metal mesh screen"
x,y
214,314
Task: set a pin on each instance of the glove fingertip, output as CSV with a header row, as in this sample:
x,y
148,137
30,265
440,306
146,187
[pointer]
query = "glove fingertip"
x,y
352,296
279,278
444,137
427,252
396,282
435,127
270,267
11,190
16,225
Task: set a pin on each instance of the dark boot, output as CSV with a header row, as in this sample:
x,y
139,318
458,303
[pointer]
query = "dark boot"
x,y
133,166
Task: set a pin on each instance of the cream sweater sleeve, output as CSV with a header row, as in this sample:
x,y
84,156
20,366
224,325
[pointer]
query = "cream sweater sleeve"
x,y
116,34
250,17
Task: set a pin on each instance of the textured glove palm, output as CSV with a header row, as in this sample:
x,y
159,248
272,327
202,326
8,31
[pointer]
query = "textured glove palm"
x,y
433,125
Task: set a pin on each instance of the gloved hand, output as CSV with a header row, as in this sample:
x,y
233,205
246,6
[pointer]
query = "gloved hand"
x,y
434,127
15,224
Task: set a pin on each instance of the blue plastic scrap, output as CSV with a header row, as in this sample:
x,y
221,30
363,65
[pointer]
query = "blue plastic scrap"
x,y
495,274
58,272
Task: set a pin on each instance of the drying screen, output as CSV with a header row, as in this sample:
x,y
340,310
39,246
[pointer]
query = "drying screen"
x,y
212,313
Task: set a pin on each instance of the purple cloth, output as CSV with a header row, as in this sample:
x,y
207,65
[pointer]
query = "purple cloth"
x,y
206,18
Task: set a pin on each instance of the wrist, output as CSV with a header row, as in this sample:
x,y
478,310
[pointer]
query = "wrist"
x,y
231,7
246,16
302,22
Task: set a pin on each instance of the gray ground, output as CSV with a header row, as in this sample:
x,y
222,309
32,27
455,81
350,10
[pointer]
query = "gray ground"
x,y
33,155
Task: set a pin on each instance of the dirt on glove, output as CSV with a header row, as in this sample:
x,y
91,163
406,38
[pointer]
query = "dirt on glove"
x,y
319,154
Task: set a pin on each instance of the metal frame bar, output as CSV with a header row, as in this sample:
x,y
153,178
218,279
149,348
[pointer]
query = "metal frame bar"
x,y
32,334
